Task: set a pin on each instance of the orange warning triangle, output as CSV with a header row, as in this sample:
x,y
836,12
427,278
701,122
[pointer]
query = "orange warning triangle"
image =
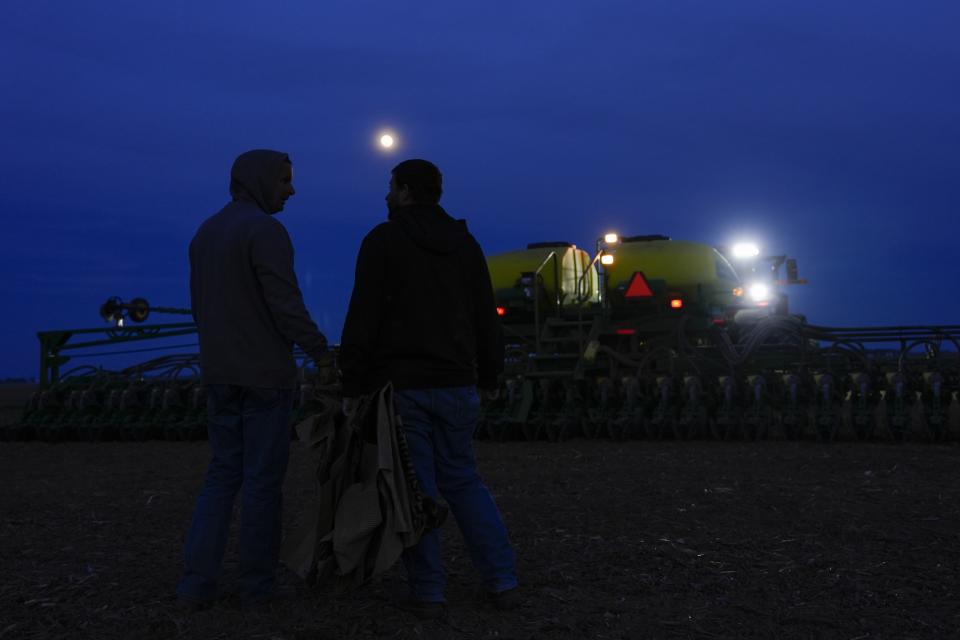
x,y
638,287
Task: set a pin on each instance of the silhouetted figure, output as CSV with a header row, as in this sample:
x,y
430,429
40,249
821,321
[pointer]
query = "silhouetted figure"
x,y
422,316
249,312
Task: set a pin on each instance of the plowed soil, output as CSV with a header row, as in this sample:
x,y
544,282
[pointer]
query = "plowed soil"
x,y
614,540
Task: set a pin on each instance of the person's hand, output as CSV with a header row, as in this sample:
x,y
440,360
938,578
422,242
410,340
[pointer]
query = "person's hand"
x,y
490,395
326,368
349,406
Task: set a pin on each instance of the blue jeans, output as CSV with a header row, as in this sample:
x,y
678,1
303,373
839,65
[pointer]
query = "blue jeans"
x,y
249,429
439,426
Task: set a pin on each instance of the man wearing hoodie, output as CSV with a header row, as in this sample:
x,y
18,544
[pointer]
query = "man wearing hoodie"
x,y
422,316
249,312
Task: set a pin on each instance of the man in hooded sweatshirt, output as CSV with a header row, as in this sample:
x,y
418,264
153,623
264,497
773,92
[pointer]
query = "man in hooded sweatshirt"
x,y
249,312
422,316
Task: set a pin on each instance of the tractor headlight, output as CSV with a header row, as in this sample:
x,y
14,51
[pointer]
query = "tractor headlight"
x,y
745,250
759,292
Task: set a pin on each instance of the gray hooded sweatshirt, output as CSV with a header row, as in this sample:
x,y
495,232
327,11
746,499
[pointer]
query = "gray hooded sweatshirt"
x,y
244,293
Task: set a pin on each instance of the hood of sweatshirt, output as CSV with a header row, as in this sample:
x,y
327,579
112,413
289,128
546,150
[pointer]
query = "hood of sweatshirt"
x,y
255,177
431,228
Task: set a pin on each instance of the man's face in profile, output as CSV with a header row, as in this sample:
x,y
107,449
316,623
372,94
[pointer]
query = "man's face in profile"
x,y
396,197
285,188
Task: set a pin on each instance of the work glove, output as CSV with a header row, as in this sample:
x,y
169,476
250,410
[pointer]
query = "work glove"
x,y
326,368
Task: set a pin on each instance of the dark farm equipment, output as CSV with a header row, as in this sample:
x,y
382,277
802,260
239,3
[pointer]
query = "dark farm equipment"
x,y
655,338
160,398
645,337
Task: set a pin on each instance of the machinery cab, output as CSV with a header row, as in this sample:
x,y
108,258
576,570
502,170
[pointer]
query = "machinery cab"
x,y
764,288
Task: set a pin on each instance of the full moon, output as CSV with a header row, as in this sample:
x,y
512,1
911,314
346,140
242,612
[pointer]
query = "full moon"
x,y
386,141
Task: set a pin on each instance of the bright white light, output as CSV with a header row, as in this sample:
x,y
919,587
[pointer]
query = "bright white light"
x,y
611,238
759,292
743,250
120,322
387,141
606,258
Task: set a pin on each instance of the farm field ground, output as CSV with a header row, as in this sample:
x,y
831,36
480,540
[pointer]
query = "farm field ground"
x,y
614,540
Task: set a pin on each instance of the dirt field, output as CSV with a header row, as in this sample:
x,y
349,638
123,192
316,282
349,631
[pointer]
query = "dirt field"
x,y
13,396
615,540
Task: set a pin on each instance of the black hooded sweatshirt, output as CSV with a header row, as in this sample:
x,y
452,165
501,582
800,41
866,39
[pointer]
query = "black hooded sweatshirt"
x,y
422,313
244,293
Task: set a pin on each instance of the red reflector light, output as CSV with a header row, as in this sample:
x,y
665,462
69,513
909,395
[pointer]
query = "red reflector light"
x,y
501,311
626,332
676,303
719,321
638,287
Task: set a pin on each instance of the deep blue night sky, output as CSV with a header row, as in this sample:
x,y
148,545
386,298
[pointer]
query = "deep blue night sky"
x,y
826,130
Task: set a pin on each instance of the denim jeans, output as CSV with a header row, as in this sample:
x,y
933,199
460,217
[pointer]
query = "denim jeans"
x,y
249,430
439,426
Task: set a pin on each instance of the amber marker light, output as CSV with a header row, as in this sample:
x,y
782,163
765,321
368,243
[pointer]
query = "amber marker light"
x,y
676,303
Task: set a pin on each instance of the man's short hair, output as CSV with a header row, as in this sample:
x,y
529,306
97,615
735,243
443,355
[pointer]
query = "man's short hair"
x,y
422,177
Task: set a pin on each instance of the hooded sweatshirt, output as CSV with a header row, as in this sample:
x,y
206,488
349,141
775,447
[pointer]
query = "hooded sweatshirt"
x,y
244,294
422,313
